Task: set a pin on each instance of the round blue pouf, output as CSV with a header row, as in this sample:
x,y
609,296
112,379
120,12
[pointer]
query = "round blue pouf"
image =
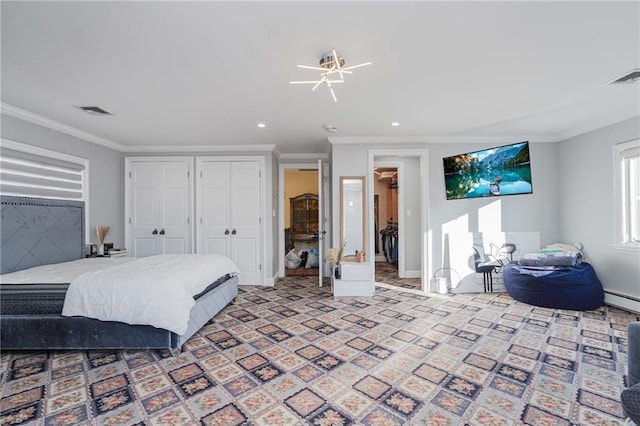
x,y
572,287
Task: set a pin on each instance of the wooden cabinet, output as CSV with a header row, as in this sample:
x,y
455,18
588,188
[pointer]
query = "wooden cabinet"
x,y
304,217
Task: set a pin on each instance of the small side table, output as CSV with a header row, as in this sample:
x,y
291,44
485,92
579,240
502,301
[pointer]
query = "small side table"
x,y
356,280
118,253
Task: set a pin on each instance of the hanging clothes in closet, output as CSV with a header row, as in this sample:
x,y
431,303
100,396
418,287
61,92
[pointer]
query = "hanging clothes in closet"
x,y
390,242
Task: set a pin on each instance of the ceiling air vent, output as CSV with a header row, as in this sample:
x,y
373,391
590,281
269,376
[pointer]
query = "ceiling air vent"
x,y
94,110
632,76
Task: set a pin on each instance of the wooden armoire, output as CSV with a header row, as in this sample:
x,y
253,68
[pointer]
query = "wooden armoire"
x,y
304,217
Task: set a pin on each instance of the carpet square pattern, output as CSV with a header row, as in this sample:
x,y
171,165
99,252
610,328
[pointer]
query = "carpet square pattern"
x,y
292,355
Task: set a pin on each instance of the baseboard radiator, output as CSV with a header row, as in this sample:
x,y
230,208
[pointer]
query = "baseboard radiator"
x,y
623,301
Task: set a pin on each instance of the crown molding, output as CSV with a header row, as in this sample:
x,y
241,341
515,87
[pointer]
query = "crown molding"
x,y
198,148
346,140
31,117
292,156
609,120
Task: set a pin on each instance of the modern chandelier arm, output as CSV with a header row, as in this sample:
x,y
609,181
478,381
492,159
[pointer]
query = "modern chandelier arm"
x,y
311,68
355,66
336,61
331,90
314,81
323,79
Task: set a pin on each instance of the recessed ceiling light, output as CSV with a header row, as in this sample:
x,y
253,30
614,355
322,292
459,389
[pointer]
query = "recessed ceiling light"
x,y
262,125
395,124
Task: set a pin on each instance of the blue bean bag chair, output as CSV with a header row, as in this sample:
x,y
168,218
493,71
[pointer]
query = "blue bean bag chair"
x,y
563,287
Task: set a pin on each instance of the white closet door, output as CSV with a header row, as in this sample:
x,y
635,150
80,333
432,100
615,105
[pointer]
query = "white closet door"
x,y
146,199
214,211
245,220
159,208
175,228
229,206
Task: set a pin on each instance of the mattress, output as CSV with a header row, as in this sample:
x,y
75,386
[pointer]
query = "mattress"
x,y
48,299
41,290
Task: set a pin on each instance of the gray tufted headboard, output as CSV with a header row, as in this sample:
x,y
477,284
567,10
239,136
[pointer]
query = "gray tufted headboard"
x,y
39,231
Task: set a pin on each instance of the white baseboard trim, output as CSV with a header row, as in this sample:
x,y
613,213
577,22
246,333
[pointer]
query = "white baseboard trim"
x,y
270,282
623,301
412,274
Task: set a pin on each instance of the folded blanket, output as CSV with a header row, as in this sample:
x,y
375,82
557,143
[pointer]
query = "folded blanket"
x,y
566,258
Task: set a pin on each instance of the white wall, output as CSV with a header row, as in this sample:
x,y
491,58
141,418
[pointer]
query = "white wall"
x,y
586,205
535,212
517,213
106,172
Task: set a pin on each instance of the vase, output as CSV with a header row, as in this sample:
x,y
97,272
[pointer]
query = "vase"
x,y
100,249
338,273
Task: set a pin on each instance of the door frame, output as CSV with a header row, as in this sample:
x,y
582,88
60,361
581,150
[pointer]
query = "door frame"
x,y
127,193
426,248
281,198
400,219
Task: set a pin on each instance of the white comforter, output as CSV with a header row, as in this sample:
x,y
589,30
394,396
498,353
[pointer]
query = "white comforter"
x,y
155,290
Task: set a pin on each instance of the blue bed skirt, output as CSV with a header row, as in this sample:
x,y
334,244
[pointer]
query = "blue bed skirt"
x,y
571,287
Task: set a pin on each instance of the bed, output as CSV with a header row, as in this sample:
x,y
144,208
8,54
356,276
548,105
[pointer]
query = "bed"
x,y
47,236
555,277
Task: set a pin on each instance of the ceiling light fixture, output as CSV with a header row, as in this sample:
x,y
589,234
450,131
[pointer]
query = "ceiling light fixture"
x,y
331,63
395,124
262,125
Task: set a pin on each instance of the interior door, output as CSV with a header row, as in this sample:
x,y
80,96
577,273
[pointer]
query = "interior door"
x,y
322,198
246,207
175,228
160,202
214,207
229,207
146,198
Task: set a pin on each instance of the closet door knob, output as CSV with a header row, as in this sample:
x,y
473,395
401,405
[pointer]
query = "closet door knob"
x,y
234,231
154,232
162,231
226,232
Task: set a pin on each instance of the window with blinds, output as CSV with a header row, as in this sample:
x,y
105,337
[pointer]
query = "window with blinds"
x,y
631,195
29,171
627,157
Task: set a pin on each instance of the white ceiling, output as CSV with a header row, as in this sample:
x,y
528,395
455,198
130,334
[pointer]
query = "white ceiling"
x,y
201,73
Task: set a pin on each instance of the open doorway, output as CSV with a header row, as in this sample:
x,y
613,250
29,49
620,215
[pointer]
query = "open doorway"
x,y
398,201
386,223
301,206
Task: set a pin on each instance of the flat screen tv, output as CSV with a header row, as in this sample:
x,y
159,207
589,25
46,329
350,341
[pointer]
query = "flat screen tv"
x,y
503,170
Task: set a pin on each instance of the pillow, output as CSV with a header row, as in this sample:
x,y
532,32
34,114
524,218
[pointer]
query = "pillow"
x,y
631,402
561,247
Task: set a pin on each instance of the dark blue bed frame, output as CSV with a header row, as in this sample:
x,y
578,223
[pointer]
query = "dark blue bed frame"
x,y
38,231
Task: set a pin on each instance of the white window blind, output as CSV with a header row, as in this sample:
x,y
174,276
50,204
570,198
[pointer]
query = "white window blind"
x,y
35,172
630,168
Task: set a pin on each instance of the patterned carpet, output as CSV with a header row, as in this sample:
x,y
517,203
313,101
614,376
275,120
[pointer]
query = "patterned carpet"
x,y
388,273
292,355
